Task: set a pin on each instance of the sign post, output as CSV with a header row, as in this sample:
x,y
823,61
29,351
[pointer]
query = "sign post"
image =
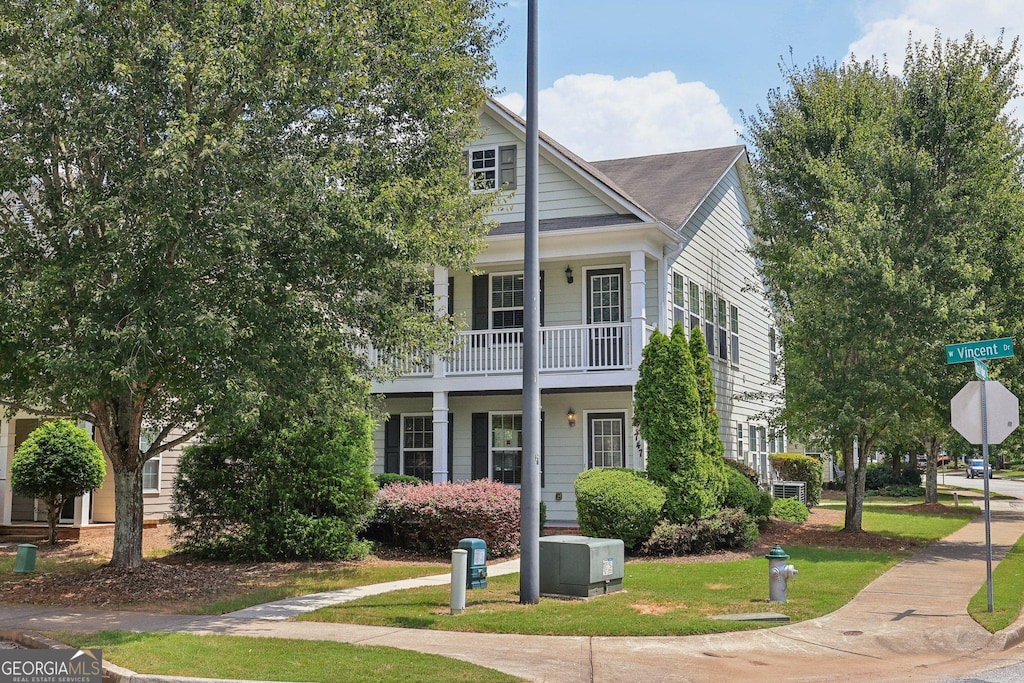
x,y
974,400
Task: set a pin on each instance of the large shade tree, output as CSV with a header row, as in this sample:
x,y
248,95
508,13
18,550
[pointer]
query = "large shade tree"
x,y
882,201
202,204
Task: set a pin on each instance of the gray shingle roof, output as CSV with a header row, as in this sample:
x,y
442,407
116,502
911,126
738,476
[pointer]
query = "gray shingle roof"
x,y
671,186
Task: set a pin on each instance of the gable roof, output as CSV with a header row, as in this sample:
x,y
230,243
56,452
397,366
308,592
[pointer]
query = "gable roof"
x,y
666,187
672,186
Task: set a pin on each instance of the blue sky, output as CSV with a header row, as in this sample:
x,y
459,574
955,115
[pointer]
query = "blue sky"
x,y
620,78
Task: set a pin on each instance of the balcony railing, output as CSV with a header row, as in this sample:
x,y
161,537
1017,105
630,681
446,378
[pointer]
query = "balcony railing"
x,y
567,348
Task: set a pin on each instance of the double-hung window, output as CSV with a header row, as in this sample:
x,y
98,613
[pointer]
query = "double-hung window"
x,y
151,468
507,299
723,338
507,447
606,433
483,169
678,299
694,307
709,322
734,329
418,446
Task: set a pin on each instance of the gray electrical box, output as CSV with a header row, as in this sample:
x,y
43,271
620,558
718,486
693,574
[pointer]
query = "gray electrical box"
x,y
580,566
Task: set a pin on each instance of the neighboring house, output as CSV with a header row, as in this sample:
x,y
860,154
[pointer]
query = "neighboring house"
x,y
626,246
93,508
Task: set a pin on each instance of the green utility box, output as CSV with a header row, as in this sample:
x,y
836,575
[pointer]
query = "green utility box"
x,y
476,562
579,566
25,562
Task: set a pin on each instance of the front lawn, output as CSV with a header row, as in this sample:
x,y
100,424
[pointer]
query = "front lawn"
x,y
275,659
1007,592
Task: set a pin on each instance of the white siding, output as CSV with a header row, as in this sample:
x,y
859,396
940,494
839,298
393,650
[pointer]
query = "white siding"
x,y
715,257
558,195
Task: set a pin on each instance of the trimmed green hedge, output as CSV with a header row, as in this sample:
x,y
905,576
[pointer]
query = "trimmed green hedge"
x,y
618,503
799,467
744,495
726,529
790,509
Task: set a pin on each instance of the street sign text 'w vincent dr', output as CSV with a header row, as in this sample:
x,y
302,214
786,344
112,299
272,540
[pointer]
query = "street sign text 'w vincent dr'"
x,y
979,350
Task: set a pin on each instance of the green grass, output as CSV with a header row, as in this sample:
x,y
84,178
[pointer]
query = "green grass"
x,y
274,659
660,598
920,527
308,581
1007,592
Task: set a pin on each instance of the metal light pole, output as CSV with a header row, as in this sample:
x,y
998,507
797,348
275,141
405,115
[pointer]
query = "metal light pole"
x,y
529,562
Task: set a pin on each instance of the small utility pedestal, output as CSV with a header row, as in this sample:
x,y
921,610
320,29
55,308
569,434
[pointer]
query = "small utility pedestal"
x,y
581,567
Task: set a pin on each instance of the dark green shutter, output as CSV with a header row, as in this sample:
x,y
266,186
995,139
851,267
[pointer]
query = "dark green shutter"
x,y
507,167
451,296
479,447
541,297
393,444
481,286
542,449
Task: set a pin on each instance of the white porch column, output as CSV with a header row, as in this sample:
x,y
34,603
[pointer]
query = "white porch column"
x,y
82,504
663,320
6,495
440,437
441,295
637,304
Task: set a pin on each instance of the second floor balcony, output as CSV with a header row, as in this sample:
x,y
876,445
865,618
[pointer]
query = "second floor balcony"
x,y
563,349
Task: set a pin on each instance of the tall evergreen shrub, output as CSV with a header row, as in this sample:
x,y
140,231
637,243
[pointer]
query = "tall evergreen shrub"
x,y
717,481
667,413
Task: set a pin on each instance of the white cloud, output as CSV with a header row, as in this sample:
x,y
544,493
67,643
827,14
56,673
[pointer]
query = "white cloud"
x,y
599,117
887,33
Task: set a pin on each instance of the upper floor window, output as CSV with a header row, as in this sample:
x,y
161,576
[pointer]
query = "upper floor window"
x,y
709,322
678,299
723,338
734,329
483,169
507,299
773,359
694,306
492,168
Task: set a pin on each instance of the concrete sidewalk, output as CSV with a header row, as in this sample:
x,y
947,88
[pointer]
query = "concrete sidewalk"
x,y
910,624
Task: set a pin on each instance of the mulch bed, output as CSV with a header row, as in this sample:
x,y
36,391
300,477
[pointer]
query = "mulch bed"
x,y
174,582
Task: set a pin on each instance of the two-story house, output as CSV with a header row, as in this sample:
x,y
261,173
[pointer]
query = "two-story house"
x,y
626,246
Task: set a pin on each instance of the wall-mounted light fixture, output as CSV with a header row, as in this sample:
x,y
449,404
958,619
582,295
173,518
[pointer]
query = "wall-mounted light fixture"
x,y
568,274
571,417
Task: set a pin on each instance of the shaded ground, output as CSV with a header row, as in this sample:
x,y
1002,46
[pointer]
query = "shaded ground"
x,y
172,583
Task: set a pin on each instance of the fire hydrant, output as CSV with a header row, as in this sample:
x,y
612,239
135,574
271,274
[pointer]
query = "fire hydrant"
x,y
779,573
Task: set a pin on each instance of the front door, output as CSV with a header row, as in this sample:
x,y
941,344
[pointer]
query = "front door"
x,y
604,316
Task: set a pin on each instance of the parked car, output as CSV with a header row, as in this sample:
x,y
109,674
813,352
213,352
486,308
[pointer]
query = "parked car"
x,y
976,468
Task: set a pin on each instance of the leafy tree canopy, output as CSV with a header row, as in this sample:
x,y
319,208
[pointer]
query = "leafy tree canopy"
x,y
204,204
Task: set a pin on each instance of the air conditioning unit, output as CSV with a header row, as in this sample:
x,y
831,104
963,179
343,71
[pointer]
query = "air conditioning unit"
x,y
790,489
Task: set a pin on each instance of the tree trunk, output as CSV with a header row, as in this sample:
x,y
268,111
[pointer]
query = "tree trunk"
x,y
127,518
855,481
53,508
931,476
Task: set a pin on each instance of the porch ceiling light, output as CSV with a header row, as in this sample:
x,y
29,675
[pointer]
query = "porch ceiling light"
x,y
568,274
571,417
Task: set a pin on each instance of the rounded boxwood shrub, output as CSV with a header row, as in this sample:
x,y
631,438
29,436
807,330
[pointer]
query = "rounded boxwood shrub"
x,y
744,495
790,509
614,502
432,518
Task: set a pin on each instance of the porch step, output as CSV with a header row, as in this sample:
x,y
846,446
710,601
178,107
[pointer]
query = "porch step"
x,y
32,533
560,528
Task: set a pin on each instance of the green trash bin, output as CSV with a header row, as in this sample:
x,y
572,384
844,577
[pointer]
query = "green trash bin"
x,y
25,562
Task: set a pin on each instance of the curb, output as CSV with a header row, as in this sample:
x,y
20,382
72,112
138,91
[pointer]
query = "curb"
x,y
112,673
1011,636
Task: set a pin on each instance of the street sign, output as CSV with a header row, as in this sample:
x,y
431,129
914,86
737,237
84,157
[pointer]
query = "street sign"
x,y
981,370
979,350
1001,406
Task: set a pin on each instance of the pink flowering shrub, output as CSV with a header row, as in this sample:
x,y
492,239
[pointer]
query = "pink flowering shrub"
x,y
433,518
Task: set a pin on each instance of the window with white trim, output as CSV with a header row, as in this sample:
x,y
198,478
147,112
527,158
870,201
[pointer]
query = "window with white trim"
x,y
417,456
678,299
734,330
606,439
694,307
773,368
740,455
709,322
507,298
507,447
723,338
483,169
151,468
